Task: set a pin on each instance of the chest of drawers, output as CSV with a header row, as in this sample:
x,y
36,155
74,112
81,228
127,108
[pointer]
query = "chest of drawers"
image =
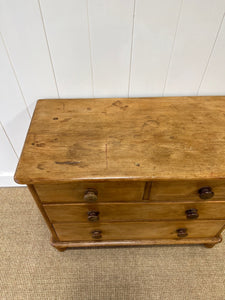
x,y
141,171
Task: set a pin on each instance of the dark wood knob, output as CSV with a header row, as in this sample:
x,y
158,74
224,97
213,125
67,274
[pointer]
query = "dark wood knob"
x,y
205,192
93,216
96,234
192,213
91,195
182,232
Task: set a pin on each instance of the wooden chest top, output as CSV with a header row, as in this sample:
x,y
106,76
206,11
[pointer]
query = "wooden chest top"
x,y
124,139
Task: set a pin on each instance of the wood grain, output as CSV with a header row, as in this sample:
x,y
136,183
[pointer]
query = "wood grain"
x,y
107,191
109,212
137,230
186,190
125,139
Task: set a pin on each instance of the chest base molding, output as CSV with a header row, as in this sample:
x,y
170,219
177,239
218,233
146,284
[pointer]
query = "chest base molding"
x,y
207,242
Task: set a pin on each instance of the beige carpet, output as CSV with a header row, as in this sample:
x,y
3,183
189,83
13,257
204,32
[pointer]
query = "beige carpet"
x,y
31,269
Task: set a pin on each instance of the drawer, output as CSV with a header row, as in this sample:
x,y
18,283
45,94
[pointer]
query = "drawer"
x,y
107,212
137,230
188,190
91,192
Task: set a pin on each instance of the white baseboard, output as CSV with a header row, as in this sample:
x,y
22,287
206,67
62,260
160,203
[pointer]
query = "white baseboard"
x,y
8,181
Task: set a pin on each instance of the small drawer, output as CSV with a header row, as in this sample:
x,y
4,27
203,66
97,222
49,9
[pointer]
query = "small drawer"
x,y
137,230
110,212
87,192
188,190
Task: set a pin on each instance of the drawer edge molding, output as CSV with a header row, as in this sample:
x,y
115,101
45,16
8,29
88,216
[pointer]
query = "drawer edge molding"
x,y
134,212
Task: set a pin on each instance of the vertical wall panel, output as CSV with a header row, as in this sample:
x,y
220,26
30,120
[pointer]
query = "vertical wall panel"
x,y
22,29
13,111
67,31
8,160
154,31
214,80
199,23
111,36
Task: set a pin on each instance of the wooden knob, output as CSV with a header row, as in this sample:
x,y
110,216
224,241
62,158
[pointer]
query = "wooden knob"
x,y
192,213
90,195
205,192
93,216
182,232
96,234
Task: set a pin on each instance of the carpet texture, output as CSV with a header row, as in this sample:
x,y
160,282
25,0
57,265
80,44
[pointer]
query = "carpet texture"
x,y
32,269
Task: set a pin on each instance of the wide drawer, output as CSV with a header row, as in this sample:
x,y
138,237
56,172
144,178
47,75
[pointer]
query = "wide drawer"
x,y
193,190
78,192
107,212
137,230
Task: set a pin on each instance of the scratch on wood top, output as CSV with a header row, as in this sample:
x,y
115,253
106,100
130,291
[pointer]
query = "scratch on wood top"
x,y
73,163
106,156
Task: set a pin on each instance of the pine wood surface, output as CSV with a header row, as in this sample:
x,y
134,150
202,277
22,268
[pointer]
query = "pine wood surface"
x,y
109,212
137,191
142,162
186,190
137,230
107,191
150,139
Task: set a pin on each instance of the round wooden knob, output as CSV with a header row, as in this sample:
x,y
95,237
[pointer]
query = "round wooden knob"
x,y
192,213
91,195
182,232
205,192
93,216
96,234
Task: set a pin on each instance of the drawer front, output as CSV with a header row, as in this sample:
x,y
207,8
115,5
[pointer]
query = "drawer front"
x,y
91,192
137,230
188,190
107,212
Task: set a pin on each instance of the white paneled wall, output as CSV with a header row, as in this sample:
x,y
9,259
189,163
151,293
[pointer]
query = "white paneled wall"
x,y
213,80
23,32
111,24
66,25
154,31
101,48
14,115
197,30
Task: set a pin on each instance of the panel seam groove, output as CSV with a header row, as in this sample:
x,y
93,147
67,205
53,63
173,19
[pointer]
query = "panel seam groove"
x,y
14,73
172,48
90,53
210,55
8,139
131,49
47,43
